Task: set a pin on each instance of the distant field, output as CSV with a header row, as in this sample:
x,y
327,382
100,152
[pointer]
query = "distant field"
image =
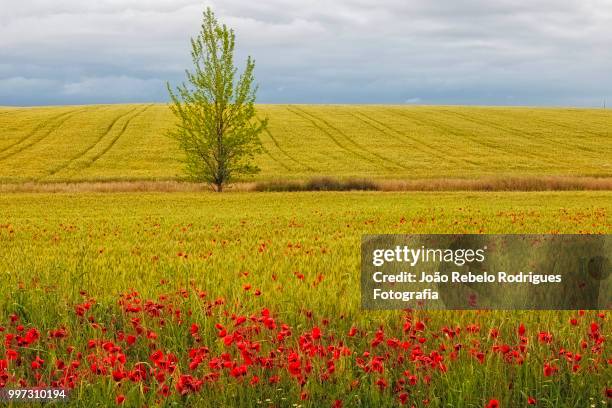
x,y
128,142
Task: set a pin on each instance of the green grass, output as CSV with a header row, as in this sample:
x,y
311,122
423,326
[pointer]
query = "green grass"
x,y
56,245
128,142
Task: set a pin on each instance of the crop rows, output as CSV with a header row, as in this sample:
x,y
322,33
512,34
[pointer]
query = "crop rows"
x,y
129,142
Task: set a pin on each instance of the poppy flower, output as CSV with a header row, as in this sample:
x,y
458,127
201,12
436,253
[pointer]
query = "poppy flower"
x,y
493,404
381,383
238,371
164,390
494,333
549,369
545,337
118,375
37,363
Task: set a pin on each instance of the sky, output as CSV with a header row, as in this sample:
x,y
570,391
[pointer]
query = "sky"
x,y
472,52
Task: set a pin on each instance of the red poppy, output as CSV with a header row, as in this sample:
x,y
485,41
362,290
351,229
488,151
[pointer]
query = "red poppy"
x,y
238,371
493,404
381,383
37,363
545,337
494,333
549,369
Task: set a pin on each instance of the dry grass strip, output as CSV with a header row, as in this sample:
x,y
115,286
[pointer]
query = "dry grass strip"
x,y
565,183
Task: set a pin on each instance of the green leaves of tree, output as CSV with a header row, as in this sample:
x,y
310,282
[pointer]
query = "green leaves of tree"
x,y
217,125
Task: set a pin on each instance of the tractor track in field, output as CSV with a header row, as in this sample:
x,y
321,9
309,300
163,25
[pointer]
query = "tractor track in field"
x,y
564,126
93,145
32,132
312,119
428,122
26,142
435,151
7,112
519,133
568,127
356,116
307,117
290,157
116,138
388,130
271,156
510,131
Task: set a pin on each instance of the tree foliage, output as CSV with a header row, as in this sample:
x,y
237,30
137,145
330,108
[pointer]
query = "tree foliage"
x,y
217,125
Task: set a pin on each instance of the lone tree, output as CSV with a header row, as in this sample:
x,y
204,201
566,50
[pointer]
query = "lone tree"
x,y
217,127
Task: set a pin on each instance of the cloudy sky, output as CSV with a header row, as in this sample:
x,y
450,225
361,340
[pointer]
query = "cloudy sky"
x,y
502,52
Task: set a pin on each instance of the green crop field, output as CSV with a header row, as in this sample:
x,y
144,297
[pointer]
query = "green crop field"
x,y
128,142
252,299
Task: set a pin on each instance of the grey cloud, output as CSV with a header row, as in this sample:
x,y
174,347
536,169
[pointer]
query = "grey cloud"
x,y
387,51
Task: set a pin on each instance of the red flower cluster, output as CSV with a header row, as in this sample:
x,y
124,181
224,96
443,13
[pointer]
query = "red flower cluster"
x,y
226,344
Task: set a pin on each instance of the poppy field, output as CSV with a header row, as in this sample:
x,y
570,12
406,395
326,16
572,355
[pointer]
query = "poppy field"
x,y
253,299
